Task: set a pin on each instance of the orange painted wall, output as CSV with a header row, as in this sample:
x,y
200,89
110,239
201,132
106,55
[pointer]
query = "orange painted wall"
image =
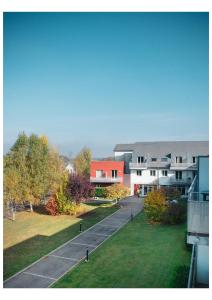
x,y
107,167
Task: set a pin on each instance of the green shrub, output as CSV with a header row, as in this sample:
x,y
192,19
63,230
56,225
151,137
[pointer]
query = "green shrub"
x,y
116,191
100,192
180,277
64,203
175,213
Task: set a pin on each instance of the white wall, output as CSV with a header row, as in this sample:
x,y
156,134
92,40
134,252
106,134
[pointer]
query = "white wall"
x,y
116,154
203,173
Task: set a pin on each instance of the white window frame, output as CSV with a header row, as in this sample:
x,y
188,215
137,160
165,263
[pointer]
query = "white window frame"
x,y
140,159
151,173
100,171
164,172
179,159
114,173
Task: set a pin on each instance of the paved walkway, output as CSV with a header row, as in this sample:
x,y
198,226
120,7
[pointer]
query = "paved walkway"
x,y
47,270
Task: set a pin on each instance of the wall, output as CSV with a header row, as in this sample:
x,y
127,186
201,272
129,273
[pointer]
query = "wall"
x,y
203,173
107,167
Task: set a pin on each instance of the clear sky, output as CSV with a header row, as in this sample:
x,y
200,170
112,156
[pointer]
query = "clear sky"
x,y
98,79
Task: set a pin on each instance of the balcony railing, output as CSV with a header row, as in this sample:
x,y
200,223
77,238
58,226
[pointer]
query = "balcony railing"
x,y
198,216
183,166
138,166
106,179
193,268
183,181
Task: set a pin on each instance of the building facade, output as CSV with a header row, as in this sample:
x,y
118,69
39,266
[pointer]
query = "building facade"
x,y
150,165
104,173
198,225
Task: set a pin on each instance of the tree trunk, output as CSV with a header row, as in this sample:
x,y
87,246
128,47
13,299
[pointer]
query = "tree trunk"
x,y
31,207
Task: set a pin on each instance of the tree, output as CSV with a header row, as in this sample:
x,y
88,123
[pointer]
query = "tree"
x,y
79,188
116,191
155,205
82,162
36,167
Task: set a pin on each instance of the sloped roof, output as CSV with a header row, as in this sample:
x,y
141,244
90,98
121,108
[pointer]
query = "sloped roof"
x,y
158,149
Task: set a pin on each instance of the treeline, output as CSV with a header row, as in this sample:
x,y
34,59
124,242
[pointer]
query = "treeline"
x,y
34,169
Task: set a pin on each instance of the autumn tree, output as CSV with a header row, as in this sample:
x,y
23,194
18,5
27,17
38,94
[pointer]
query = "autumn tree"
x,y
36,167
79,188
155,205
82,162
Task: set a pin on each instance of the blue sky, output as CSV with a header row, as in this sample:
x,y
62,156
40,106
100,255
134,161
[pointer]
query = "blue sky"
x,y
97,79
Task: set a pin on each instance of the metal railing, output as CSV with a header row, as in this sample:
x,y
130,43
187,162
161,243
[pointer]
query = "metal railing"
x,y
138,165
192,270
174,180
106,179
183,166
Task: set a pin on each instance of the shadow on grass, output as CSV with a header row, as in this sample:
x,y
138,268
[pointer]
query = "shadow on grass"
x,y
22,254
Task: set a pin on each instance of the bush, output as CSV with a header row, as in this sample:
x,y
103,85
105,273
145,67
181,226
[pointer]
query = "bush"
x,y
155,205
65,206
174,214
180,277
100,192
171,193
116,191
52,207
79,188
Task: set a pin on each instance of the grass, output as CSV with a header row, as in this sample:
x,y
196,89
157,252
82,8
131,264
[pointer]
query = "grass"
x,y
140,255
33,235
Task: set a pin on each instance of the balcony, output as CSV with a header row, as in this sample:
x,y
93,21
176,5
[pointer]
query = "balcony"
x,y
183,166
138,166
198,216
106,179
183,181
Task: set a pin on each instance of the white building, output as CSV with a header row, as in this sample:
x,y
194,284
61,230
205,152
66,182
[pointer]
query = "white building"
x,y
70,168
155,164
198,225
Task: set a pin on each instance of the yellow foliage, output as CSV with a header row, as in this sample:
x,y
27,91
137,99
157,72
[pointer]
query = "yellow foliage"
x,y
116,191
155,205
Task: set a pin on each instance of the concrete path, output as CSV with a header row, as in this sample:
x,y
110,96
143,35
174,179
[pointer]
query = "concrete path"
x,y
47,270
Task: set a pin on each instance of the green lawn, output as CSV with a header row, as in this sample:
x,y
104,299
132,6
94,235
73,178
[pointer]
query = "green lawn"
x,y
33,235
140,255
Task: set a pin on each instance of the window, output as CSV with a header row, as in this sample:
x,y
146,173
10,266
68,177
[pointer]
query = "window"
x,y
178,175
164,159
164,172
194,159
179,159
139,172
114,173
154,159
152,172
140,159
99,173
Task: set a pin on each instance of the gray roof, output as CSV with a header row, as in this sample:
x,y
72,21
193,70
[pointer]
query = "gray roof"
x,y
158,149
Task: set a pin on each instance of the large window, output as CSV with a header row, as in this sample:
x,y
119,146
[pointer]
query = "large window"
x,y
140,159
152,173
99,173
114,173
179,159
178,175
139,172
164,173
164,158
